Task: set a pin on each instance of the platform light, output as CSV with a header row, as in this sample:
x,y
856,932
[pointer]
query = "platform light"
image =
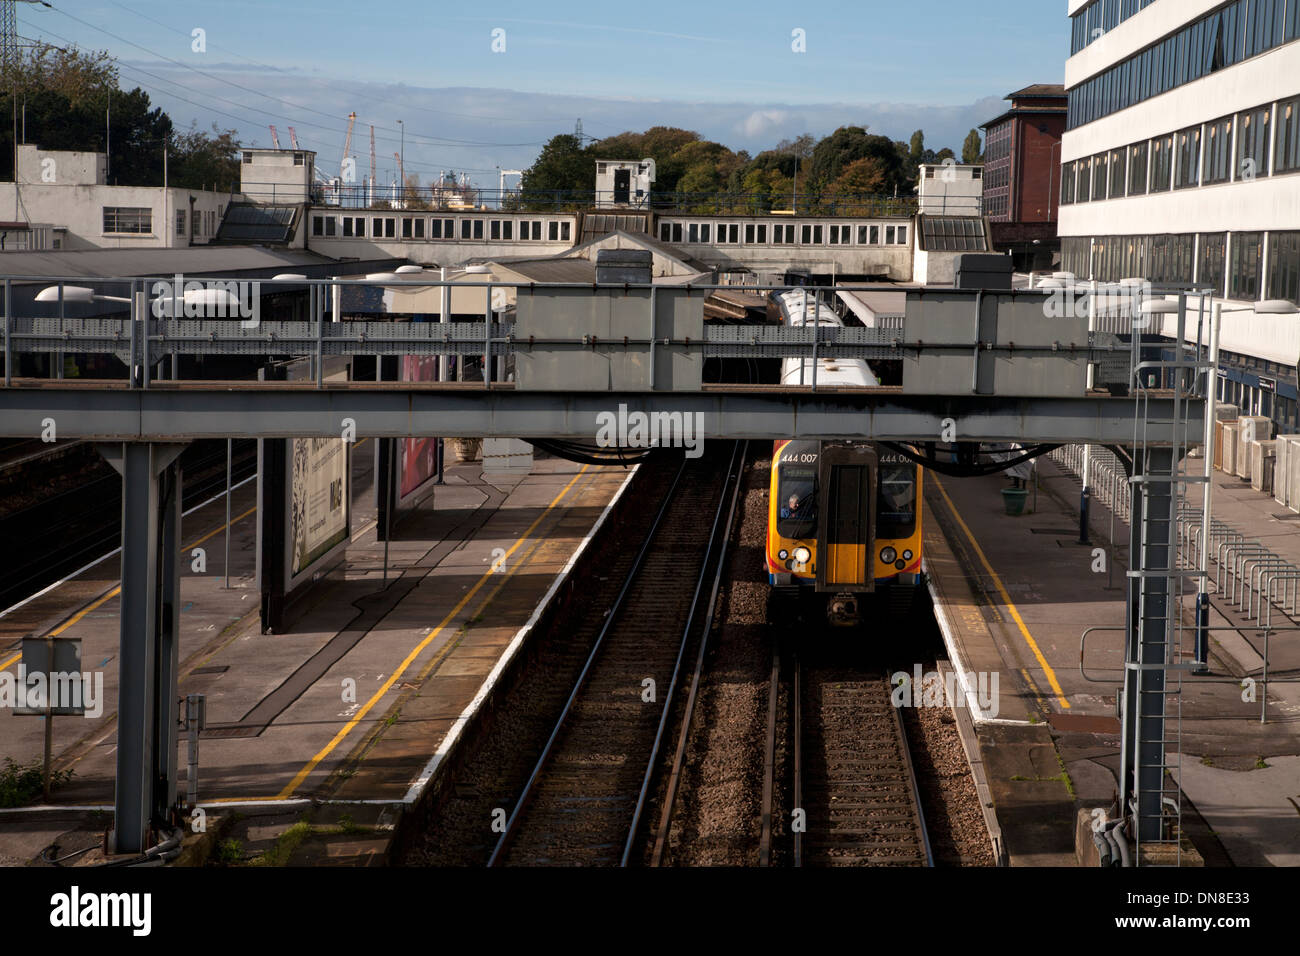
x,y
289,277
76,293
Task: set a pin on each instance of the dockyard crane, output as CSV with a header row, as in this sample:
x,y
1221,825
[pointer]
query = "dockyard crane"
x,y
372,159
293,138
275,138
347,146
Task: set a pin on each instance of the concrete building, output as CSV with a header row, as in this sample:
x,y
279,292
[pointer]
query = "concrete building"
x,y
623,182
951,189
1179,165
1022,162
277,175
62,201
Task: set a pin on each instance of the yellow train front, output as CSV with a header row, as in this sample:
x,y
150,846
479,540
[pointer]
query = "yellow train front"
x,y
844,523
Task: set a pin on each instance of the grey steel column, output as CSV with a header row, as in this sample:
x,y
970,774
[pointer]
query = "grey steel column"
x,y
147,604
167,704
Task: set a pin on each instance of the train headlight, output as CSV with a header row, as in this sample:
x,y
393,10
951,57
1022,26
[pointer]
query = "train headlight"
x,y
802,555
907,555
783,554
887,555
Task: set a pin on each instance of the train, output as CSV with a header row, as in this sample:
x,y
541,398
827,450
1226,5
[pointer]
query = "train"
x,y
844,517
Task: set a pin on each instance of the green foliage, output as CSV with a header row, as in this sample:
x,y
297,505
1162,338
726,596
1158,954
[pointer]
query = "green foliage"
x,y
229,852
21,784
851,167
971,150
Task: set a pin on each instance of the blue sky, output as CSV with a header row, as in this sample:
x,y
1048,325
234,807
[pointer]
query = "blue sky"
x,y
725,69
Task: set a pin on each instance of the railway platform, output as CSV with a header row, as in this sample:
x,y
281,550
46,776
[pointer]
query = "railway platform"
x,y
1014,595
353,710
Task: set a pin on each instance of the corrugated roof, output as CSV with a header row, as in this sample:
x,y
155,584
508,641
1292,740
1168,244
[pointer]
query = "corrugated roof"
x,y
553,270
198,260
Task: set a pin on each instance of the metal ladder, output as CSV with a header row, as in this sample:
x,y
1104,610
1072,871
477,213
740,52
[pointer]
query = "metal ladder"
x,y
1160,650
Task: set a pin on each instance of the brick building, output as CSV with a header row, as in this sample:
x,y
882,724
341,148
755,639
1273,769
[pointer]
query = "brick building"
x,y
1022,161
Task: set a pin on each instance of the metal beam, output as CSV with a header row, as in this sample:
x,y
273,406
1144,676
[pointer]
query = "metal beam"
x,y
147,658
395,410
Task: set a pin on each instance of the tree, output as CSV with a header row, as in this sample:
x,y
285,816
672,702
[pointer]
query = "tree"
x,y
562,169
971,152
917,146
201,160
862,177
69,72
847,145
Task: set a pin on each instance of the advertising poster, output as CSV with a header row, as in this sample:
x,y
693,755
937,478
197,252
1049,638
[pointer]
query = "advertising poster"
x,y
318,514
419,456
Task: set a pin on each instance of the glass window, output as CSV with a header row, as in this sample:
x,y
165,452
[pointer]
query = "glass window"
x,y
134,220
494,231
1212,261
1218,151
1188,171
1084,167
1137,169
749,232
553,231
896,498
1067,184
762,233
805,234
1118,173
507,229
1284,266
1099,176
875,235
478,228
1252,143
565,231
465,229
889,235
902,235
693,232
704,231
796,510
1287,155
1243,272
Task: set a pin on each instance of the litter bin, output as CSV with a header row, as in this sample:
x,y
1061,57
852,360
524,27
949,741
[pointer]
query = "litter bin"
x,y
1013,499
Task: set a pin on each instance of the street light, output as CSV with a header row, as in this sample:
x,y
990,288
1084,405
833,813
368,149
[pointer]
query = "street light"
x,y
76,293
1165,307
402,186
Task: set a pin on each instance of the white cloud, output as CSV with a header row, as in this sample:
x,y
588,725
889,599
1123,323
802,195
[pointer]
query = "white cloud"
x,y
762,121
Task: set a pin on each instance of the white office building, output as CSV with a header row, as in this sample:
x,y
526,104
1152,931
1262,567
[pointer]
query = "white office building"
x,y
1179,165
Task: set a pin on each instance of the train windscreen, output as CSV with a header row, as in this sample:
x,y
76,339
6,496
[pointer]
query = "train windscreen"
x,y
796,510
896,505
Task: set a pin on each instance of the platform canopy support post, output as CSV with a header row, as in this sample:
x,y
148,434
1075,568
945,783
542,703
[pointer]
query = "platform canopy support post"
x,y
148,639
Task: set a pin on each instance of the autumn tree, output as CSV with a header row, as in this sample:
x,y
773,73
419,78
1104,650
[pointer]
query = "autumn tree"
x,y
971,151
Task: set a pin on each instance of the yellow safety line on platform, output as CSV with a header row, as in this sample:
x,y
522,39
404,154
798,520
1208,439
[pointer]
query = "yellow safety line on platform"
x,y
118,590
1006,598
311,765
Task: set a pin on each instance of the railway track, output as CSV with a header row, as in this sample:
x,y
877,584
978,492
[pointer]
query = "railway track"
x,y
587,795
853,775
75,526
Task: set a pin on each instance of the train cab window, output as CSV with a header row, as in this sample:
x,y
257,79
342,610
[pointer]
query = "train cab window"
x,y
796,510
896,501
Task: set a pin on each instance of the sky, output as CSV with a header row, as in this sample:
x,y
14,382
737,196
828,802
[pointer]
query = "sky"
x,y
479,87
